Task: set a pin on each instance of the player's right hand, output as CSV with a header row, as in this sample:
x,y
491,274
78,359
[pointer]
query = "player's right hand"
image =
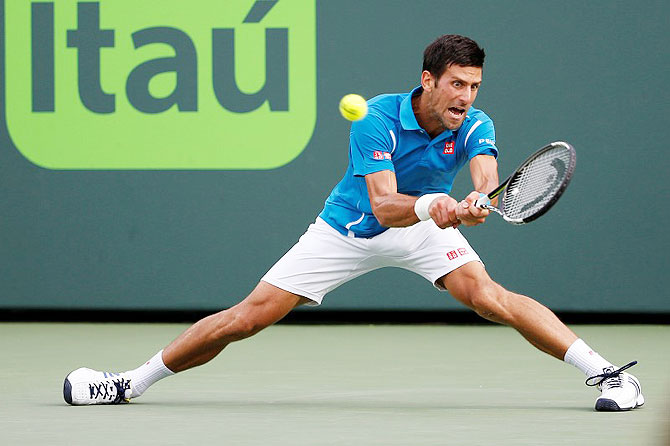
x,y
468,213
443,212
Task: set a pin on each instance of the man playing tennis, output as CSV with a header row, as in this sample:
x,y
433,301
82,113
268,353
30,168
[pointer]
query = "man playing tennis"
x,y
392,208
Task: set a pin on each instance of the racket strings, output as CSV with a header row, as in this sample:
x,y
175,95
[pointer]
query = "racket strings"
x,y
536,183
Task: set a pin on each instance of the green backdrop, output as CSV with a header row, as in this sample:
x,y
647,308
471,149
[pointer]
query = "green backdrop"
x,y
145,236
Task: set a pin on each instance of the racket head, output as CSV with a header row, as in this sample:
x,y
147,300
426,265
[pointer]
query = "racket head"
x,y
538,183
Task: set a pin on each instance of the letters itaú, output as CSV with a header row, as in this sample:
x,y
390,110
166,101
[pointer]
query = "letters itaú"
x,y
119,84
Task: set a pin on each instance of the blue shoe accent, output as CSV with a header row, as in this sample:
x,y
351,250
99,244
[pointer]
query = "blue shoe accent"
x,y
607,405
67,391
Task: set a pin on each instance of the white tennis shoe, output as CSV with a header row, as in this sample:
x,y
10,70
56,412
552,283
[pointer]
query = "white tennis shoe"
x,y
620,390
84,387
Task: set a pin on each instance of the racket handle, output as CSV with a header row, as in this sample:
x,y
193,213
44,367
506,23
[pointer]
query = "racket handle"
x,y
483,201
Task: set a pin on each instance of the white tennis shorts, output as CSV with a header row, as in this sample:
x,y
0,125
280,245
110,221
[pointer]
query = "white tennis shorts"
x,y
324,259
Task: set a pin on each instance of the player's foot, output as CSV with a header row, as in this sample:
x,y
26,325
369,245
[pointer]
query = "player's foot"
x,y
620,390
84,386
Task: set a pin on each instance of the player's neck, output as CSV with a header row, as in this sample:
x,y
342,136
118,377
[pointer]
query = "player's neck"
x,y
421,112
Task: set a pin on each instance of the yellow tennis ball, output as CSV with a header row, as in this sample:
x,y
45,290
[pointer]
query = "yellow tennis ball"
x,y
353,107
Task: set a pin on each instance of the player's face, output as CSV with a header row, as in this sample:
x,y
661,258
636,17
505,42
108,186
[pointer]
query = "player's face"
x,y
451,96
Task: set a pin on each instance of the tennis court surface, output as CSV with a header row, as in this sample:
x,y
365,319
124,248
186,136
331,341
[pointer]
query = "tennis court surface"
x,y
331,385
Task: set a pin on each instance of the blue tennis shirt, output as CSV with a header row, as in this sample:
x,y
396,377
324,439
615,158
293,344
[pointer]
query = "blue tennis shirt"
x,y
390,138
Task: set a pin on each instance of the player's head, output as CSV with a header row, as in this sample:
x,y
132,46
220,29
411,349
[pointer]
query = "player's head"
x,y
452,73
452,49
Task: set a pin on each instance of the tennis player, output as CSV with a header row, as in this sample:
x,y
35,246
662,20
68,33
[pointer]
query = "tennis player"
x,y
392,208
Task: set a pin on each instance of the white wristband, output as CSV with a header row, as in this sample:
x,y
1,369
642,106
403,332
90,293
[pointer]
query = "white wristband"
x,y
423,203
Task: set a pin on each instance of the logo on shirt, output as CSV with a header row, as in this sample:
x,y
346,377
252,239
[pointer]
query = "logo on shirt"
x,y
379,155
452,255
449,148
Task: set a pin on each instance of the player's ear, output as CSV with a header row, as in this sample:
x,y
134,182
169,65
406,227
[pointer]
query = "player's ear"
x,y
427,80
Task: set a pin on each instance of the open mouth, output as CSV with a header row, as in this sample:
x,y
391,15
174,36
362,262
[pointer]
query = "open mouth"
x,y
456,112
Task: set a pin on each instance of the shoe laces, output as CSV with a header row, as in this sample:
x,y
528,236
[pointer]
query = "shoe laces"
x,y
610,378
105,390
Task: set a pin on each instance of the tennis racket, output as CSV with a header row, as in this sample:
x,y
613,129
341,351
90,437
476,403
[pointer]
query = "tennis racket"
x,y
535,186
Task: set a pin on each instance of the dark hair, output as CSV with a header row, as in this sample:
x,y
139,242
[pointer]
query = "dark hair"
x,y
452,49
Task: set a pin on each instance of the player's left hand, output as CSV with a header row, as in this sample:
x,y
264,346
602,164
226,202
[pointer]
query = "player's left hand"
x,y
468,213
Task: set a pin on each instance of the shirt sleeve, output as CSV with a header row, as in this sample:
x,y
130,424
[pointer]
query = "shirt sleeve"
x,y
482,140
370,146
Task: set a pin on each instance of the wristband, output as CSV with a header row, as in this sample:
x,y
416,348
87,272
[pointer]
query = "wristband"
x,y
423,203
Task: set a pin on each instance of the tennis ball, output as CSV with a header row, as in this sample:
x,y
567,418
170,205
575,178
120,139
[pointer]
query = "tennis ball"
x,y
353,107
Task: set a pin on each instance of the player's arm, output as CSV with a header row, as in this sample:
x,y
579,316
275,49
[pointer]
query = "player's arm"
x,y
393,209
484,173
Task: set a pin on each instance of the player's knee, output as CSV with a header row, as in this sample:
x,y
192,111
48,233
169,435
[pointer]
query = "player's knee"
x,y
234,325
490,301
245,325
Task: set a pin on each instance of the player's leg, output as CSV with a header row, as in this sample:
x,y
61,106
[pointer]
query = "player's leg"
x,y
205,339
197,345
322,260
471,285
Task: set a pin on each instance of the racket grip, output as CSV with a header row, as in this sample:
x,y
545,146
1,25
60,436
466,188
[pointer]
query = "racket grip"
x,y
483,201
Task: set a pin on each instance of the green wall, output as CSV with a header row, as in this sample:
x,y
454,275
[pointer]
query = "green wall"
x,y
90,236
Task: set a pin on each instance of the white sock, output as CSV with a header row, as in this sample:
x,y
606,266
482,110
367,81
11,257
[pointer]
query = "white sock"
x,y
585,359
147,374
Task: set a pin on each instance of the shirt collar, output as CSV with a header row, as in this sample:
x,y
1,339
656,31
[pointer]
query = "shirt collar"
x,y
408,119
